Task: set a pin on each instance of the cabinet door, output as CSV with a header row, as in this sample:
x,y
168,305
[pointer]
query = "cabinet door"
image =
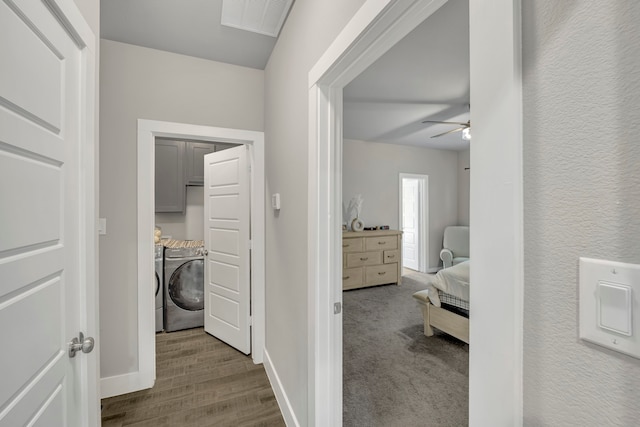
x,y
195,161
170,187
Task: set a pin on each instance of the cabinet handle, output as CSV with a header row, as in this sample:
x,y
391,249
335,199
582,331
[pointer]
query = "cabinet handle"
x,y
380,273
345,277
391,256
345,246
364,259
382,243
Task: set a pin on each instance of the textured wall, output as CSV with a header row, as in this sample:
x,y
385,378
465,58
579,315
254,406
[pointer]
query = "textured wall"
x,y
581,64
140,83
372,169
311,26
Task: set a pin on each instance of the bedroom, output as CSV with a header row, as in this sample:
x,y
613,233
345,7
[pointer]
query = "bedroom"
x,y
423,77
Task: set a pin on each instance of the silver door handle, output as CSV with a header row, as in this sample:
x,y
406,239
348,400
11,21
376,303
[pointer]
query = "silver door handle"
x,y
206,252
81,344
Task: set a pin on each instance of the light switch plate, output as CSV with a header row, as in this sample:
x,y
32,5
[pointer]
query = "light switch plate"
x,y
610,305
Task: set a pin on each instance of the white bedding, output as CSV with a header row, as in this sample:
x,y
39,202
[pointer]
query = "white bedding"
x,y
453,280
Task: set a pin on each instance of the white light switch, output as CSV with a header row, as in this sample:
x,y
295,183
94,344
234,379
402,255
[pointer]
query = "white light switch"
x,y
609,305
614,307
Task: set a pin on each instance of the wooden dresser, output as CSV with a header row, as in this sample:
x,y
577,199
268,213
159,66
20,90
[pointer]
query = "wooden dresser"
x,y
371,258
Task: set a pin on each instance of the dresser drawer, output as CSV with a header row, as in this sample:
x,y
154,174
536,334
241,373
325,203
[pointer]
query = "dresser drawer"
x,y
353,245
352,278
391,256
380,243
379,274
360,259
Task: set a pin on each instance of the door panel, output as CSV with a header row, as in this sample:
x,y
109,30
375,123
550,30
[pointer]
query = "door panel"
x,y
227,268
43,248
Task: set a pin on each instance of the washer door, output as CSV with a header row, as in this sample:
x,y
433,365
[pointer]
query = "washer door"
x,y
186,286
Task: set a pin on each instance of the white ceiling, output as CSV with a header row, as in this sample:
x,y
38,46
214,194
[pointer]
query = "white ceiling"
x,y
423,77
190,27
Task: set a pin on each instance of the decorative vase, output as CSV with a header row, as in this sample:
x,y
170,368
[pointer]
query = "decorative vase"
x,y
357,224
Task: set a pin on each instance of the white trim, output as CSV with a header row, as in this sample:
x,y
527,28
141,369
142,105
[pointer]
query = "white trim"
x,y
496,214
281,396
148,130
121,384
423,262
377,26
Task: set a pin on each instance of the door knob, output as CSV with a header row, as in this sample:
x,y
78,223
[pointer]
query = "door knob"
x,y
81,344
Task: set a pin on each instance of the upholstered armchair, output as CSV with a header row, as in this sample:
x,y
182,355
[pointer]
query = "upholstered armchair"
x,y
455,245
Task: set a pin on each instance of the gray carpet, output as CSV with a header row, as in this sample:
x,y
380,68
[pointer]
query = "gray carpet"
x,y
393,374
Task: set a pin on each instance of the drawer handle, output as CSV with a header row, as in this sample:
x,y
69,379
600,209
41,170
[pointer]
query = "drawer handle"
x,y
345,246
382,243
345,277
364,259
391,256
381,273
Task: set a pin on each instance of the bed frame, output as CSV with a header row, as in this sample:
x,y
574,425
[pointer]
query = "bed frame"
x,y
444,320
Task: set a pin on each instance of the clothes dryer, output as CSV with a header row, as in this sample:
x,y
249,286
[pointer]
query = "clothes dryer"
x,y
159,287
184,288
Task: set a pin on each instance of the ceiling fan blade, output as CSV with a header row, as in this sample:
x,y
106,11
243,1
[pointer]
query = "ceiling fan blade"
x,y
448,132
447,123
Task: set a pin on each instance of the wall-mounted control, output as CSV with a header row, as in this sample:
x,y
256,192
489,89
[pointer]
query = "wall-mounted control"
x,y
275,201
610,305
102,226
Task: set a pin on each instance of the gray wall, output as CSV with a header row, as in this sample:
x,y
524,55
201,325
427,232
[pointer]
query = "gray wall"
x,y
372,169
310,28
463,186
581,64
149,84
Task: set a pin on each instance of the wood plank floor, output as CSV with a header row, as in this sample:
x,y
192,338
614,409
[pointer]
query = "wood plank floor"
x,y
200,381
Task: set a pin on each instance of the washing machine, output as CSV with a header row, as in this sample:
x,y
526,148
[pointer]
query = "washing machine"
x,y
159,287
184,288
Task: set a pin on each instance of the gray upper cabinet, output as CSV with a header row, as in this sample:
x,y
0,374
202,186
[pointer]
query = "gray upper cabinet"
x,y
195,161
170,188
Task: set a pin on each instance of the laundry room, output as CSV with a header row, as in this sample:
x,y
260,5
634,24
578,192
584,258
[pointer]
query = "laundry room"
x,y
179,231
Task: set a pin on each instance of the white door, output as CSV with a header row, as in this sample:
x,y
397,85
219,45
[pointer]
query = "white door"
x,y
227,217
47,252
411,223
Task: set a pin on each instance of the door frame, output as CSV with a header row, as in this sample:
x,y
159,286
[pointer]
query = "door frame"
x,y
423,262
148,130
495,383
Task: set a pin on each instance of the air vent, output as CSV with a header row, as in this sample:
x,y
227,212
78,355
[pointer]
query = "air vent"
x,y
258,16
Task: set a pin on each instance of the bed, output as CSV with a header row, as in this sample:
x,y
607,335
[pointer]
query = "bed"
x,y
445,302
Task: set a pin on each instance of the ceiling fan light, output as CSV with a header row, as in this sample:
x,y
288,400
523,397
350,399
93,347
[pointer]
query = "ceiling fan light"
x,y
466,134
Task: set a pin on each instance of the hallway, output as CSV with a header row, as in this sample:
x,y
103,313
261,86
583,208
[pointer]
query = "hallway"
x,y
200,382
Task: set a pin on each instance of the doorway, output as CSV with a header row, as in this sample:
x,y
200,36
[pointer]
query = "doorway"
x,y
414,220
148,130
497,157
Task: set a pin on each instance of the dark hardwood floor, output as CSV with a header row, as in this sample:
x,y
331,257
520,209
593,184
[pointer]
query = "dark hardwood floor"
x,y
200,381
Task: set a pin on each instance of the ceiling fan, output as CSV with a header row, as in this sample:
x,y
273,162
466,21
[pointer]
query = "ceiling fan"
x,y
465,128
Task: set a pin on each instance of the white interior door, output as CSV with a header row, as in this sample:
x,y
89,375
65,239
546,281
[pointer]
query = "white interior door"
x,y
227,233
411,223
46,251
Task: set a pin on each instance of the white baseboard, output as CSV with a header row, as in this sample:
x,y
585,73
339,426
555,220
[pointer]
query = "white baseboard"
x,y
123,384
281,396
